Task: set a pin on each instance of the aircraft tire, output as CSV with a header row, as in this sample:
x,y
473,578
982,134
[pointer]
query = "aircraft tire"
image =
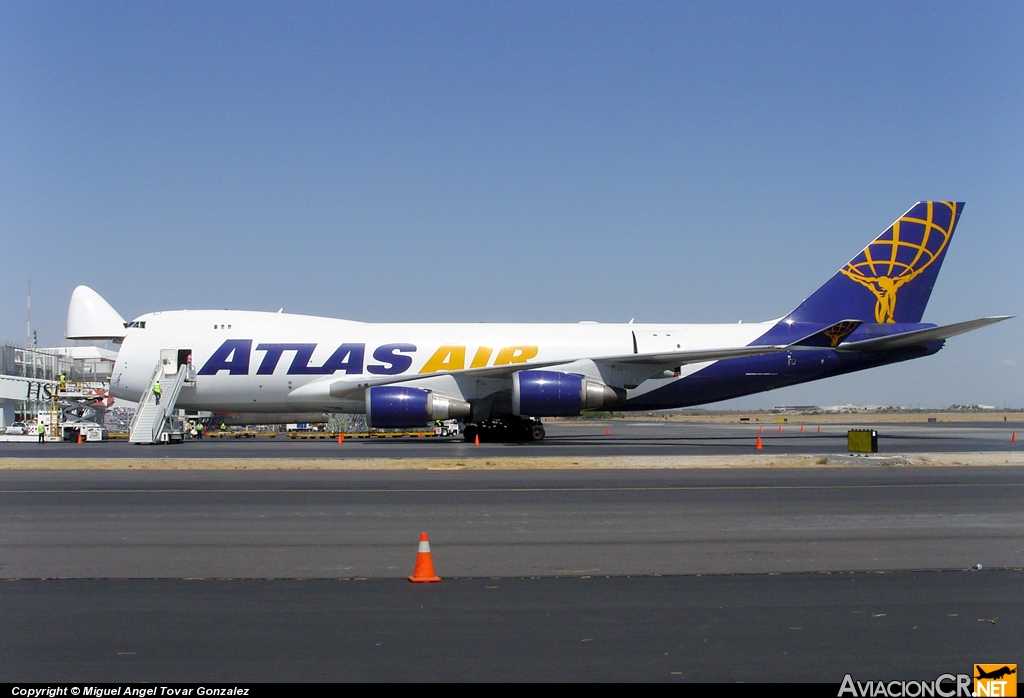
x,y
537,433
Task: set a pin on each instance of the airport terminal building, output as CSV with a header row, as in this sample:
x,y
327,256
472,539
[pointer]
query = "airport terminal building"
x,y
29,377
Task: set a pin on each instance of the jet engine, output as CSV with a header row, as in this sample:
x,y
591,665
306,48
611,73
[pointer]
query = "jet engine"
x,y
394,406
557,394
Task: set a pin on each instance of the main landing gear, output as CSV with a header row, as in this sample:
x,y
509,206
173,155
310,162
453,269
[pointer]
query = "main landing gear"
x,y
506,428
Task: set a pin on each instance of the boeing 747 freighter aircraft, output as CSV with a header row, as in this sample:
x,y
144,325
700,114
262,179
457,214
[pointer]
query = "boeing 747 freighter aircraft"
x,y
501,378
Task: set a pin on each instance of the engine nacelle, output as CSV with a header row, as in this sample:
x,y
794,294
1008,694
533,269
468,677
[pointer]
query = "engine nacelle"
x,y
557,394
395,406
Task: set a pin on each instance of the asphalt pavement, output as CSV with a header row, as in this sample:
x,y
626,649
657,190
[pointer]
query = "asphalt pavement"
x,y
721,628
338,523
611,438
751,574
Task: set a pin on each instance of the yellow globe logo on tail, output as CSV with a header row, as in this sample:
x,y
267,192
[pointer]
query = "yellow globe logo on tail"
x,y
899,256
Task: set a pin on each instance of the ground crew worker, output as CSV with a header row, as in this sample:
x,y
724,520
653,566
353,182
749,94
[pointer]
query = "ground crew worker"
x,y
199,430
63,382
42,433
156,391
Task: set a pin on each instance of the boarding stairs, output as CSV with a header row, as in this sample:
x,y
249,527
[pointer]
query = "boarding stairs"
x,y
154,423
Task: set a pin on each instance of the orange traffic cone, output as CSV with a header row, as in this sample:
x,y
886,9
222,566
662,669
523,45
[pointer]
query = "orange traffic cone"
x,y
341,439
1013,439
780,428
819,428
607,432
421,434
79,436
762,431
424,570
758,447
801,428
476,440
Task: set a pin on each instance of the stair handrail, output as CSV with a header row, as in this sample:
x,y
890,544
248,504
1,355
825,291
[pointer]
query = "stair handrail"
x,y
171,398
146,397
168,398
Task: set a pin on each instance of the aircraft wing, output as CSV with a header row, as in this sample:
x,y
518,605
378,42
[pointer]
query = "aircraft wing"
x,y
693,356
919,337
668,360
343,388
828,337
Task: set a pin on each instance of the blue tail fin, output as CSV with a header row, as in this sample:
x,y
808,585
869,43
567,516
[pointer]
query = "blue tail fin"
x,y
892,278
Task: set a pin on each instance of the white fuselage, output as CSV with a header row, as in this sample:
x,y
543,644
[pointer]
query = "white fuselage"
x,y
274,362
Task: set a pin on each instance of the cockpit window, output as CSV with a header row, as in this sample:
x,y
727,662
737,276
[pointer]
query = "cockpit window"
x,y
138,324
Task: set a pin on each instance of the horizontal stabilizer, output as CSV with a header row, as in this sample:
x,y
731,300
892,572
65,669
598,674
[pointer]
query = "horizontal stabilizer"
x,y
920,337
692,356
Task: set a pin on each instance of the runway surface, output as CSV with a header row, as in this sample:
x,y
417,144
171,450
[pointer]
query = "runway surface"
x,y
644,575
754,628
585,438
288,524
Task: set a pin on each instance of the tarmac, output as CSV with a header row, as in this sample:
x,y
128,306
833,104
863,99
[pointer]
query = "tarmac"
x,y
658,552
594,443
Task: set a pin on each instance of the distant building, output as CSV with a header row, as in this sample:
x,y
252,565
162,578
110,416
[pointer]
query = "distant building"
x,y
863,408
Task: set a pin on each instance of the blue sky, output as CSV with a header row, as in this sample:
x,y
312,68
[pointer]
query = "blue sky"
x,y
514,162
